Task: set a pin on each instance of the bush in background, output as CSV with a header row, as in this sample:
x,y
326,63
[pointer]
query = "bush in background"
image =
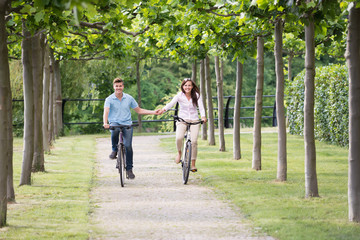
x,y
331,104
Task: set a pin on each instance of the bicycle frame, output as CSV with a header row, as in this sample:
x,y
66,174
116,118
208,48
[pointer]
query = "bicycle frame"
x,y
187,149
121,158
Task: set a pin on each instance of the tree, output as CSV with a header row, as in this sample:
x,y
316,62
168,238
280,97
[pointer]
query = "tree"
x,y
46,101
28,148
211,134
203,97
280,108
220,97
256,157
353,60
237,111
6,141
311,186
37,47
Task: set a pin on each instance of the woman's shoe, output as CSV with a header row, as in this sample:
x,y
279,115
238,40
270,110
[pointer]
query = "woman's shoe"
x,y
193,168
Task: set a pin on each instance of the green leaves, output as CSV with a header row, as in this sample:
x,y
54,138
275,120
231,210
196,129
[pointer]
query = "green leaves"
x,y
331,104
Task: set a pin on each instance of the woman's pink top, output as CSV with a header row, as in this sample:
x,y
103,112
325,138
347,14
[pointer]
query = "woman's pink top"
x,y
187,110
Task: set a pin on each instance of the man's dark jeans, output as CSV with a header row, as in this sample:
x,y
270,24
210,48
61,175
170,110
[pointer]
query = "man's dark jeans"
x,y
127,137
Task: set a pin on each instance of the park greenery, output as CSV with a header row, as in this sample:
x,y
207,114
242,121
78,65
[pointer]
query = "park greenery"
x,y
66,49
331,104
58,200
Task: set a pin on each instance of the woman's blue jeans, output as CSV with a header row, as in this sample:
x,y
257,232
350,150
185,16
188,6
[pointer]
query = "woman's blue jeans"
x,y
127,138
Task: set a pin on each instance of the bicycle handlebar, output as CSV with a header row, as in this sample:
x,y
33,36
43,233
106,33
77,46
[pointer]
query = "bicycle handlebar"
x,y
179,119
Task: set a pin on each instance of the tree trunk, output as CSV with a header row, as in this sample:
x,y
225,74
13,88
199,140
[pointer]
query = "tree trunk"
x,y
291,56
280,111
203,97
194,71
139,92
211,125
6,141
28,147
37,64
52,105
311,185
256,157
46,100
58,127
353,61
220,97
237,111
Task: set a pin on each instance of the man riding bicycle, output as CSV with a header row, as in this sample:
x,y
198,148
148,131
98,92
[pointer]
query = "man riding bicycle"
x,y
117,112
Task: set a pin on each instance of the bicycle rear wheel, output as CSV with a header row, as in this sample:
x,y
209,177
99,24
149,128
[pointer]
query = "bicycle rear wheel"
x,y
186,162
121,165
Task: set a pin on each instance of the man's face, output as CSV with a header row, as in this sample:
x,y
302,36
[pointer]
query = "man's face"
x,y
119,87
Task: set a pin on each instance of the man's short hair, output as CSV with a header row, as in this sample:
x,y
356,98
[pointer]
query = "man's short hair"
x,y
118,80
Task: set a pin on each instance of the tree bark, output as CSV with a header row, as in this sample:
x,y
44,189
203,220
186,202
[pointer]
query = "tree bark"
x,y
203,97
6,141
237,111
58,127
28,147
194,71
139,92
256,156
211,125
311,185
52,104
280,109
291,57
353,61
37,64
46,101
220,97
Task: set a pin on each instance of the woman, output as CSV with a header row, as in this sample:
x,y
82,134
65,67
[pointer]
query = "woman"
x,y
189,100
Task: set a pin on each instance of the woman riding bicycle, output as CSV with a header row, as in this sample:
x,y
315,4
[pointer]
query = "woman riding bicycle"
x,y
189,100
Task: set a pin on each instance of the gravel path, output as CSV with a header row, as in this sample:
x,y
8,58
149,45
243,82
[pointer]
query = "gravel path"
x,y
156,205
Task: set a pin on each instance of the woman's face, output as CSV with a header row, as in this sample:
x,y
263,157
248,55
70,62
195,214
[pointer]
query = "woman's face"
x,y
187,87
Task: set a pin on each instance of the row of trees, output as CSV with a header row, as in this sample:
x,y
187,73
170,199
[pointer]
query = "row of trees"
x,y
52,31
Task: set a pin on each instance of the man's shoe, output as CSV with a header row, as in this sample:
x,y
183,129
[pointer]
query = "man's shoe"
x,y
112,155
130,174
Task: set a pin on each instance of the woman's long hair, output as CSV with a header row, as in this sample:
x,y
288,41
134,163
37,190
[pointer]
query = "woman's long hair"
x,y
194,90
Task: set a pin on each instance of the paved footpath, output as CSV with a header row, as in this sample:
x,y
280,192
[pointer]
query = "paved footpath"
x,y
156,204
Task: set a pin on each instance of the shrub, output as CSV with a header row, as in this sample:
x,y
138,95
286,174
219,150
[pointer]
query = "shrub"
x,y
331,104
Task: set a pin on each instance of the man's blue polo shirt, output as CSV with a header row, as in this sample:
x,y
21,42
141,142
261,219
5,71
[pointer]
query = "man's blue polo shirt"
x,y
120,110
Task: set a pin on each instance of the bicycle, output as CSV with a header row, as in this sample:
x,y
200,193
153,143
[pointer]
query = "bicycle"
x,y
187,149
121,156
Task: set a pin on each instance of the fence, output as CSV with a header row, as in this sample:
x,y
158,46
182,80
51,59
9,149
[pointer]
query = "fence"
x,y
228,109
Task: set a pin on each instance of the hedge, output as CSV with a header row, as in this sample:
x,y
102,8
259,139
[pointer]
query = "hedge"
x,y
331,104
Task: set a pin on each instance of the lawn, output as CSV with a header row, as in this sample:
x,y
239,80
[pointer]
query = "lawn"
x,y
57,205
280,208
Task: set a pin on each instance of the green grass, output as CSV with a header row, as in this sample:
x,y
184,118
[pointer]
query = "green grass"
x,y
56,205
280,208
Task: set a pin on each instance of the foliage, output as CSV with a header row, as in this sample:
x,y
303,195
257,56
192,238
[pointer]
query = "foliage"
x,y
331,104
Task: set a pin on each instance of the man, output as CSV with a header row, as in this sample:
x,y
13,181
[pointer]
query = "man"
x,y
117,112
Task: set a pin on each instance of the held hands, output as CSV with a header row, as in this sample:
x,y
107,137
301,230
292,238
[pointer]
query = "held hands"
x,y
159,111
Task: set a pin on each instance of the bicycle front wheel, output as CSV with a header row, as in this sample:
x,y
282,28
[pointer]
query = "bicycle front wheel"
x,y
121,165
186,162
